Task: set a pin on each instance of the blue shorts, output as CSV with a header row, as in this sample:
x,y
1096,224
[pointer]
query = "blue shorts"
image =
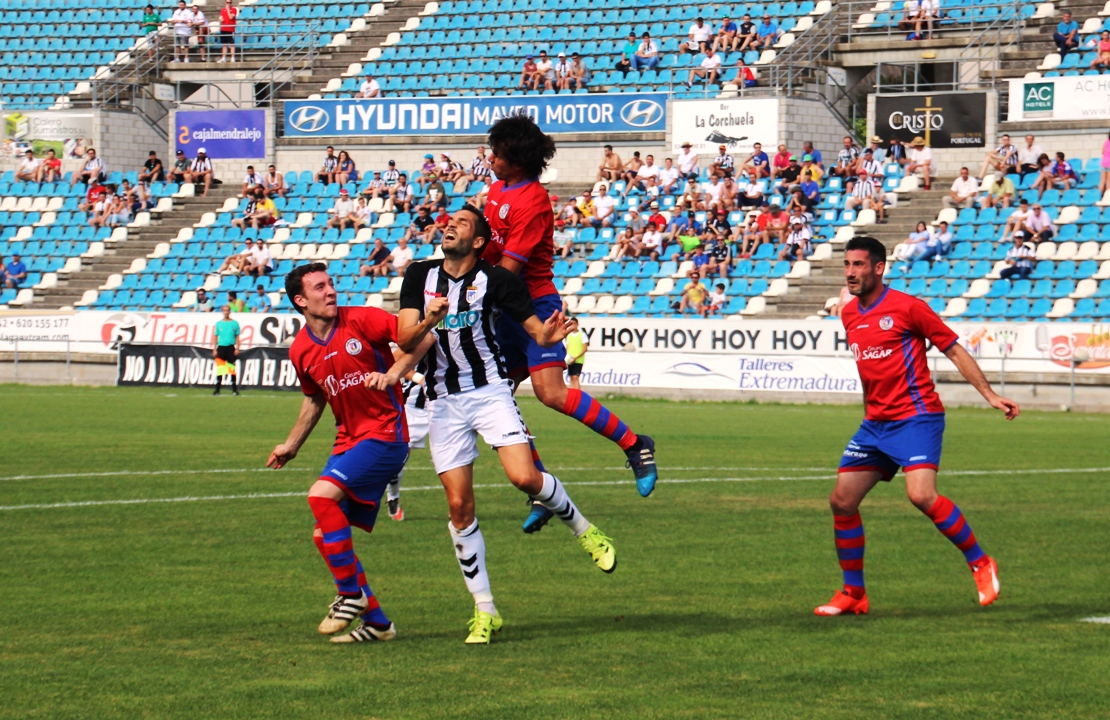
x,y
363,472
886,445
518,347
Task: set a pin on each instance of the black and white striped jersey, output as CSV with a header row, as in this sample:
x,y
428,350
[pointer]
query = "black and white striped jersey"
x,y
413,392
466,355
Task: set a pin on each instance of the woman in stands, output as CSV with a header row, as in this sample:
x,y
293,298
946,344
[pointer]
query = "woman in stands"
x,y
345,171
1044,175
915,245
1102,58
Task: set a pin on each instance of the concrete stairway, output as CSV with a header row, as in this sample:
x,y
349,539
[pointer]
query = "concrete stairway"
x,y
139,243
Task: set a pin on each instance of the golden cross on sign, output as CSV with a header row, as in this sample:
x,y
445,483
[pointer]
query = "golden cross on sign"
x,y
929,110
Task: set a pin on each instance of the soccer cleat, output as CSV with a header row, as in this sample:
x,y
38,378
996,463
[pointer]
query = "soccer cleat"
x,y
536,519
986,579
844,604
395,510
483,627
367,633
342,612
600,549
641,458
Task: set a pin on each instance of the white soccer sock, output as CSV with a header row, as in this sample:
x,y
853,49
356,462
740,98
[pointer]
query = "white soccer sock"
x,y
470,551
393,489
553,496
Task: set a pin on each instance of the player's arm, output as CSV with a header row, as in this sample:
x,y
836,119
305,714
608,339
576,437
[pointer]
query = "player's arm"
x,y
238,339
415,319
971,371
311,409
404,363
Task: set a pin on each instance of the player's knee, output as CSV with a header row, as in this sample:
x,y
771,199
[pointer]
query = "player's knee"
x,y
922,498
841,504
552,397
461,510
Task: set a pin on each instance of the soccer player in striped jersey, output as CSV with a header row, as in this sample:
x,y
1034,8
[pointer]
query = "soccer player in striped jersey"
x,y
904,420
416,417
519,214
454,300
337,356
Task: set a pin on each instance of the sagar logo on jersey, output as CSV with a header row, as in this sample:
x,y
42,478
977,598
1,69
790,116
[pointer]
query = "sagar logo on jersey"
x,y
458,321
334,385
871,353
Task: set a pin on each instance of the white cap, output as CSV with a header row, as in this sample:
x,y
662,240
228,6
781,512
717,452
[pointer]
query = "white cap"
x,y
201,150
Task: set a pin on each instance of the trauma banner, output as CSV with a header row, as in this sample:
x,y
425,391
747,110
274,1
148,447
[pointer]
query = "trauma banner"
x,y
607,113
265,368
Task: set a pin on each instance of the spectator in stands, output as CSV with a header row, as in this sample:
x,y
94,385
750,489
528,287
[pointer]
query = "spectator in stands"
x,y
28,168
200,170
421,226
1063,174
238,262
369,88
768,33
757,165
345,170
1066,36
668,177
751,235
94,170
326,173
562,72
578,75
915,245
343,213
235,303
627,244
273,183
546,71
632,167
563,239
780,161
810,168
745,78
1044,174
624,60
375,263
15,272
479,166
718,250
260,262
873,167
571,213
362,217
747,34
375,187
710,198
963,192
798,241
529,74
688,162
814,155
709,69
921,158
1102,52
645,177
182,20
203,302
150,25
1038,225
912,17
1004,159
685,226
250,181
1104,167
748,194
200,22
1000,191
940,242
790,176
152,169
931,12
260,212
697,37
836,304
604,208
693,295
647,54
847,160
94,195
400,195
1019,259
180,167
229,16
399,258
50,168
725,39
876,148
1029,156
862,190
897,152
135,198
777,225
107,212
611,166
1016,221
811,191
730,194
260,301
651,244
435,197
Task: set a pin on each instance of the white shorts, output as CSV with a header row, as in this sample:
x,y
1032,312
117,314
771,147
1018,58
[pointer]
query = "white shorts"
x,y
418,425
489,411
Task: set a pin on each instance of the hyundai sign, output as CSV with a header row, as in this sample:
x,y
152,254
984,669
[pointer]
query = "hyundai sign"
x,y
600,113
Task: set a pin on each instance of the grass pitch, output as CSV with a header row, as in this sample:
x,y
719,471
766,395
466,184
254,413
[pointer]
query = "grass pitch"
x,y
207,608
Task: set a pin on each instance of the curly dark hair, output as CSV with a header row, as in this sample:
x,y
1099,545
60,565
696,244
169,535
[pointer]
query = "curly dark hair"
x,y
517,140
294,281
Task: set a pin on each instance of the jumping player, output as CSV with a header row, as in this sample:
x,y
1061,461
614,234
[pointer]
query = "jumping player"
x,y
335,354
519,214
416,416
904,420
454,301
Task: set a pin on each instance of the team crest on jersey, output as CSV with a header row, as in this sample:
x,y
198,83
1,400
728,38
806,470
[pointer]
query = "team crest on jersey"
x,y
503,212
354,347
886,322
471,294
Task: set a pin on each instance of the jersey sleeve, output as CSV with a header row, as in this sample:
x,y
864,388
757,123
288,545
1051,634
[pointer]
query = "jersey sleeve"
x,y
510,294
925,321
412,287
523,238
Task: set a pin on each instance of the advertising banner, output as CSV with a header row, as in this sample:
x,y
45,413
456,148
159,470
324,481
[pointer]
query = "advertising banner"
x,y
68,134
607,113
945,120
1077,97
260,368
736,123
224,134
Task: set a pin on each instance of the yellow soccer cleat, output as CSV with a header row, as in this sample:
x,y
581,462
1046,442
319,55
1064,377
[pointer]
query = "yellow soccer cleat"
x,y
600,549
483,627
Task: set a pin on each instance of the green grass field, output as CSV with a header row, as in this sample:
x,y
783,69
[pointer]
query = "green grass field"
x,y
207,607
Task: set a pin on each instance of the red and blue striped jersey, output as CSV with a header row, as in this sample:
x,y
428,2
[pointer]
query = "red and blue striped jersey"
x,y
337,365
523,226
888,342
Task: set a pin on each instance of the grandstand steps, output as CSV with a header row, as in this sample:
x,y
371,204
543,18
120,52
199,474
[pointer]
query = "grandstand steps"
x,y
1036,42
140,242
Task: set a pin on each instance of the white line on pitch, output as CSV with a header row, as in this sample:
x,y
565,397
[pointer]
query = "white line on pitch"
x,y
1100,620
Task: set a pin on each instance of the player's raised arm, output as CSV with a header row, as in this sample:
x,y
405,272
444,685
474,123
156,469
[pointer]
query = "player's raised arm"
x,y
549,333
403,364
971,371
416,317
311,410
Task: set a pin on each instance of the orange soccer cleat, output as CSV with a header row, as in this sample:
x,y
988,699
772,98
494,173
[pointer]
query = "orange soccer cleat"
x,y
843,604
986,579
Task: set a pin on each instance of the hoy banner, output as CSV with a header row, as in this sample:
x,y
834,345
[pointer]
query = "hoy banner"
x,y
265,368
945,120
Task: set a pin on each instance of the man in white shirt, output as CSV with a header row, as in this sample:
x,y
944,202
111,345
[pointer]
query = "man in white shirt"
x,y
963,192
250,181
28,168
709,69
200,170
261,263
604,205
688,162
1038,225
797,243
939,242
1016,221
400,257
647,54
94,170
344,211
273,183
911,18
873,166
563,74
712,190
648,172
668,176
930,12
182,20
1028,155
200,22
697,37
921,158
546,70
370,88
